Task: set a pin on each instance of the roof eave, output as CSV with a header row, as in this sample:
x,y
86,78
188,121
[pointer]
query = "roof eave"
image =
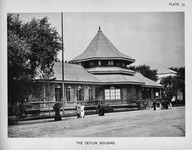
x,y
102,58
123,83
152,86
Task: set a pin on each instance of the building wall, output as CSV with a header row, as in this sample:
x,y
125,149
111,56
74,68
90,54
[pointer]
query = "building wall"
x,y
127,93
124,93
44,92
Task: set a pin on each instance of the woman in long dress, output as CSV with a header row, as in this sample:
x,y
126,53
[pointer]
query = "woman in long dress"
x,y
82,111
154,105
78,109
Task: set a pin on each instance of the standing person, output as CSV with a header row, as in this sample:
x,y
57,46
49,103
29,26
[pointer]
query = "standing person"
x,y
166,104
101,109
82,111
173,99
170,105
56,108
78,109
145,103
154,105
21,109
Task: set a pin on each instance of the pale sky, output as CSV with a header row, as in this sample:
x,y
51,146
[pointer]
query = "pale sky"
x,y
154,39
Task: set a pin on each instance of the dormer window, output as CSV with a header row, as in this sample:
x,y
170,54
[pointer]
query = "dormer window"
x,y
99,63
91,63
118,64
110,63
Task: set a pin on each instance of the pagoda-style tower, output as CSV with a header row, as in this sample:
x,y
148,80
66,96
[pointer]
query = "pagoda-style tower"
x,y
117,83
102,53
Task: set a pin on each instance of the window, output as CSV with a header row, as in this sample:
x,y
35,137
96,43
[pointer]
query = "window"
x,y
90,94
58,94
118,64
99,63
110,63
80,95
104,63
117,94
148,93
156,94
91,63
112,93
68,94
107,94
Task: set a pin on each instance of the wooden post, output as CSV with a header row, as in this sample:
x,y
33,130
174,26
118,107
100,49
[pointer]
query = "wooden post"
x,y
48,96
63,92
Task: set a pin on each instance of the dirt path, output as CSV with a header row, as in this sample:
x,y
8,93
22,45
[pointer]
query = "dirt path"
x,y
145,123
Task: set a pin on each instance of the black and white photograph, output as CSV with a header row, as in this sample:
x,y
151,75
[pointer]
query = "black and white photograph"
x,y
96,79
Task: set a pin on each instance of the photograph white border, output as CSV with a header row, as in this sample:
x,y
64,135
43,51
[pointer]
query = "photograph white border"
x,y
49,6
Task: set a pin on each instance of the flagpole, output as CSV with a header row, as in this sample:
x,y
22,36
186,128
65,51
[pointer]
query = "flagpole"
x,y
63,92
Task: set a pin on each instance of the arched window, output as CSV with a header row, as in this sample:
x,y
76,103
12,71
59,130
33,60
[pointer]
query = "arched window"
x,y
80,95
68,93
90,93
58,93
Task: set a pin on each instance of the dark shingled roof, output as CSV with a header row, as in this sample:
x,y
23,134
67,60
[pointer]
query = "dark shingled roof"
x,y
148,82
101,48
77,74
73,73
119,79
110,69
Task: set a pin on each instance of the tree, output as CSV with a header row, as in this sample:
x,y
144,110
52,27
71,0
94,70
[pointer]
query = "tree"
x,y
170,88
145,71
32,49
173,84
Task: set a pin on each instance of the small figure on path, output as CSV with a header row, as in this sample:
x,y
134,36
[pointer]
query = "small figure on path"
x,y
21,109
77,107
166,104
80,110
56,108
154,105
101,109
170,105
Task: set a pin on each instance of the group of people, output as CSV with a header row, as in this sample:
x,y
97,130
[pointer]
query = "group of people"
x,y
163,105
101,110
80,110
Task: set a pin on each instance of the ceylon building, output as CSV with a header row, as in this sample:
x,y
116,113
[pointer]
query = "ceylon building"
x,y
100,73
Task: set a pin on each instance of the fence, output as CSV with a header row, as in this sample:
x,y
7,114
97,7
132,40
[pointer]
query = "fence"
x,y
42,109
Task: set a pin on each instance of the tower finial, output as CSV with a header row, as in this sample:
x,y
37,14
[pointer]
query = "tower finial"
x,y
99,28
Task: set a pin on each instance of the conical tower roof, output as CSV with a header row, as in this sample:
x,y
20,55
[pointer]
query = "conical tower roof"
x,y
101,48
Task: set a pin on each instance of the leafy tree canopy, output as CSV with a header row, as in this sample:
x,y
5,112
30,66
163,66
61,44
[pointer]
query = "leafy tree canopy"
x,y
145,71
180,72
173,84
32,49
